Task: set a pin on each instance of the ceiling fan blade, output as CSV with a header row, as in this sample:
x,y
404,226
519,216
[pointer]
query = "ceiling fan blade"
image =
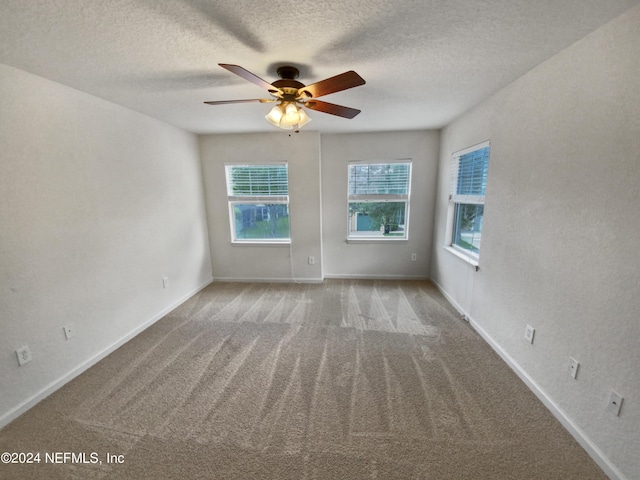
x,y
338,83
247,75
252,100
332,108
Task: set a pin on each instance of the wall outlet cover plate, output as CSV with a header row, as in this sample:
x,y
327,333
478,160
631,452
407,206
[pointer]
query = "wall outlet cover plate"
x,y
69,331
615,403
529,332
573,367
24,355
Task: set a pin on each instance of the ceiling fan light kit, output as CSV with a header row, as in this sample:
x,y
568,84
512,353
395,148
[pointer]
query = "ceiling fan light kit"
x,y
288,116
292,95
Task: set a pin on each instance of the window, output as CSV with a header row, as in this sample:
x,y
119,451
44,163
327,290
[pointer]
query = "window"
x,y
466,200
378,198
258,203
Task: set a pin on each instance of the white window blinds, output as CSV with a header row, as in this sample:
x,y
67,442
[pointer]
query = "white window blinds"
x,y
390,180
270,182
469,174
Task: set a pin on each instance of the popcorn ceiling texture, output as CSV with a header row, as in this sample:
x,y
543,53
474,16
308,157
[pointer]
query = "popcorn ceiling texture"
x,y
425,62
345,380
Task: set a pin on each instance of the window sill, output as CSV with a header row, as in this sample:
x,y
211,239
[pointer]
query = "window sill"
x,y
377,240
256,243
463,256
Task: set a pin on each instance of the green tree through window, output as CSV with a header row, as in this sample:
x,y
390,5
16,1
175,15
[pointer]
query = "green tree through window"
x,y
378,198
468,188
259,203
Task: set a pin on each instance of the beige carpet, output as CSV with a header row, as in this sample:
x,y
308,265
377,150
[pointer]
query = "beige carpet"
x,y
345,380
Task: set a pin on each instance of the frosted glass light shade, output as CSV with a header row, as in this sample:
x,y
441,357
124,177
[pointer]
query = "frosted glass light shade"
x,y
304,118
287,116
275,115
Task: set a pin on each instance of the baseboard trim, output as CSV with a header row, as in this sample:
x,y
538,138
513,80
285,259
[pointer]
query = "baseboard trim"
x,y
23,407
266,280
576,432
451,300
340,276
320,280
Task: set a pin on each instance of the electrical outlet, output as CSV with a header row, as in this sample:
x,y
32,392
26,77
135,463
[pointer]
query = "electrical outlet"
x,y
165,282
312,261
615,403
24,355
69,331
529,332
573,367
414,257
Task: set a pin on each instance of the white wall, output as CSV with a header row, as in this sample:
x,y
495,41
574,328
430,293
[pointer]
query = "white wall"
x,y
97,204
234,262
560,237
319,218
389,259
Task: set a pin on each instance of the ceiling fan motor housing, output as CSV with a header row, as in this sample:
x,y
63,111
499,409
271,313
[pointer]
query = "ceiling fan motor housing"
x,y
288,72
287,82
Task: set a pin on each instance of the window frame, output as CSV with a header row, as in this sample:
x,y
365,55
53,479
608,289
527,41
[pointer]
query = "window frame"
x,y
234,200
378,198
456,200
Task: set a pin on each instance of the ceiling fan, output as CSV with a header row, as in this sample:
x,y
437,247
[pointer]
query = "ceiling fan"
x,y
291,95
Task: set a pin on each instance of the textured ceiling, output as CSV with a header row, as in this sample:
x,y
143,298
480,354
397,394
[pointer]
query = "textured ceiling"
x,y
425,61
